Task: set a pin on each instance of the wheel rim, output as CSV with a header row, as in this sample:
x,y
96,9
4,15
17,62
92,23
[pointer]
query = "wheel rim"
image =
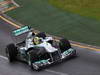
x,y
35,66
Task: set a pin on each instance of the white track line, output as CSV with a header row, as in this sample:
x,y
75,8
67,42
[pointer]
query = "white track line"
x,y
55,72
3,57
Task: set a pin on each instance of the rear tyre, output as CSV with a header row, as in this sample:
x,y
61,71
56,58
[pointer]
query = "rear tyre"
x,y
11,52
64,44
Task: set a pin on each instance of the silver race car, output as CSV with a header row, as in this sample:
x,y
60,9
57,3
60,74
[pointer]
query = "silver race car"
x,y
38,49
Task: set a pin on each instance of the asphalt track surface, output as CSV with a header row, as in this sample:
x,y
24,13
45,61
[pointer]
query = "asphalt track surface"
x,y
87,62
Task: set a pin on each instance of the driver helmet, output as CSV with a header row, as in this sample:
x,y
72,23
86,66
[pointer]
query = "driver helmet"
x,y
37,40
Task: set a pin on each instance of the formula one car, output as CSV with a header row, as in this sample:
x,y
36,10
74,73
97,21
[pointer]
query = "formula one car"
x,y
38,50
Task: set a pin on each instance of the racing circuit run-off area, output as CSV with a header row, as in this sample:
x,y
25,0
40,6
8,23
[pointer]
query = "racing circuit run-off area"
x,y
27,51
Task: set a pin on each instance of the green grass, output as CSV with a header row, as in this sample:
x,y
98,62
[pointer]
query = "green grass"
x,y
43,16
89,8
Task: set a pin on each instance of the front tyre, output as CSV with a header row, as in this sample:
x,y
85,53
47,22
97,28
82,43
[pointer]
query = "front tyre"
x,y
11,52
64,44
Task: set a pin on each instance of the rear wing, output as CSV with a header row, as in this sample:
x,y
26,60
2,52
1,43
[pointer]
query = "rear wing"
x,y
21,31
20,34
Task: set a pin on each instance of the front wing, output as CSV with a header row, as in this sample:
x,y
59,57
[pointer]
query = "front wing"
x,y
66,54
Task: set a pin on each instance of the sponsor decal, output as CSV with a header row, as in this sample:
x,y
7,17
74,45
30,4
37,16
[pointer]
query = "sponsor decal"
x,y
21,31
42,61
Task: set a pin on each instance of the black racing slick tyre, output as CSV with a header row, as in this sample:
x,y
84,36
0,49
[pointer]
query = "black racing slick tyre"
x,y
11,52
64,44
